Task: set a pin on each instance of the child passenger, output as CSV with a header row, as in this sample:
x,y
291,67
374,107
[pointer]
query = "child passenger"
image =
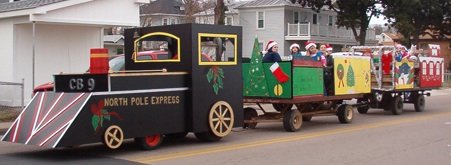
x,y
312,51
295,51
271,52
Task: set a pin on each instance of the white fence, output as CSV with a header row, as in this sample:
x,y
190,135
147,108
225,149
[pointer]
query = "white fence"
x,y
14,85
447,80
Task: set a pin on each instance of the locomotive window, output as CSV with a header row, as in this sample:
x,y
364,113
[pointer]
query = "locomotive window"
x,y
424,67
438,68
157,47
217,49
431,68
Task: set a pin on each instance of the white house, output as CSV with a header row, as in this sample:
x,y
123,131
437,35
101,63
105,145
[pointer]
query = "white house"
x,y
44,37
114,44
162,12
287,23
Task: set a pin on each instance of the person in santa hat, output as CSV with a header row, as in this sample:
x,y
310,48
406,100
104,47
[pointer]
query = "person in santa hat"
x,y
295,51
328,71
401,53
271,52
312,51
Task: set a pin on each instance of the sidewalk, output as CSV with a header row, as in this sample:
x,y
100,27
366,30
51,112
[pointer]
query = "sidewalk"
x,y
440,92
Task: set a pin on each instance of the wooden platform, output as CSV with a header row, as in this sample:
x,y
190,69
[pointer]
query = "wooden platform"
x,y
303,99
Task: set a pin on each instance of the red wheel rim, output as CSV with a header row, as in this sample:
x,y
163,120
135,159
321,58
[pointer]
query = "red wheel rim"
x,y
153,140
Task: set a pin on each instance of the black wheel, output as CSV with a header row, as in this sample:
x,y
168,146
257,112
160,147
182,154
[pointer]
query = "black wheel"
x,y
419,103
396,105
307,118
364,108
149,142
250,113
207,137
292,120
345,113
176,135
280,106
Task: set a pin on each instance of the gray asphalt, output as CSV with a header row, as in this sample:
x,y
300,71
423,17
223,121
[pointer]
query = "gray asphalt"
x,y
372,139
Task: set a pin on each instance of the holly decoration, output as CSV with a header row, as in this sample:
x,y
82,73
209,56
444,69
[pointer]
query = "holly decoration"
x,y
215,76
350,77
100,114
256,84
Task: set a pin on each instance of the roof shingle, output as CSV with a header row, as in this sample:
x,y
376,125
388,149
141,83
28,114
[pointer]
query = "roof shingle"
x,y
28,4
258,3
162,6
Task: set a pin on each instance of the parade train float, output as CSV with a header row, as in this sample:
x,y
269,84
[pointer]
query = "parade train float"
x,y
200,85
406,79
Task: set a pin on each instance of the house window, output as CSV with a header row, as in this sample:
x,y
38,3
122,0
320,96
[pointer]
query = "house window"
x,y
315,21
331,20
449,45
228,20
296,17
165,21
319,18
260,20
173,21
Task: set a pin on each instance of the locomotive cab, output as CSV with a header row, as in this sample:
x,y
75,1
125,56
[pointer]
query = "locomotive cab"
x,y
211,57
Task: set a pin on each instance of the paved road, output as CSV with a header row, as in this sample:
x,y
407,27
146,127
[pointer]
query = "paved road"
x,y
375,138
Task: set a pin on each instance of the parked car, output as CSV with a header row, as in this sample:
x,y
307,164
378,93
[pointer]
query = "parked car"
x,y
116,62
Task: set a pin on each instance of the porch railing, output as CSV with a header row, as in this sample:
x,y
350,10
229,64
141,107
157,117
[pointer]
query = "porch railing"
x,y
308,29
447,80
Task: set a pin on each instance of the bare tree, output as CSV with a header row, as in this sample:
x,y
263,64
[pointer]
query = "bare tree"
x,y
191,7
219,12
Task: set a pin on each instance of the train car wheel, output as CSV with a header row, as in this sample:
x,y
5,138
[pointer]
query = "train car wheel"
x,y
250,113
345,113
363,109
149,142
397,105
280,106
220,121
419,103
221,118
292,120
113,137
176,135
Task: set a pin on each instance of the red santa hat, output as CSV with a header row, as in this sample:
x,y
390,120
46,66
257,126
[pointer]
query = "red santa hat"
x,y
309,44
294,45
329,48
270,44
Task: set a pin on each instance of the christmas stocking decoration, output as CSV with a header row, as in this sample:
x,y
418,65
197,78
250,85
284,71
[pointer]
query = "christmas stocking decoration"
x,y
278,73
